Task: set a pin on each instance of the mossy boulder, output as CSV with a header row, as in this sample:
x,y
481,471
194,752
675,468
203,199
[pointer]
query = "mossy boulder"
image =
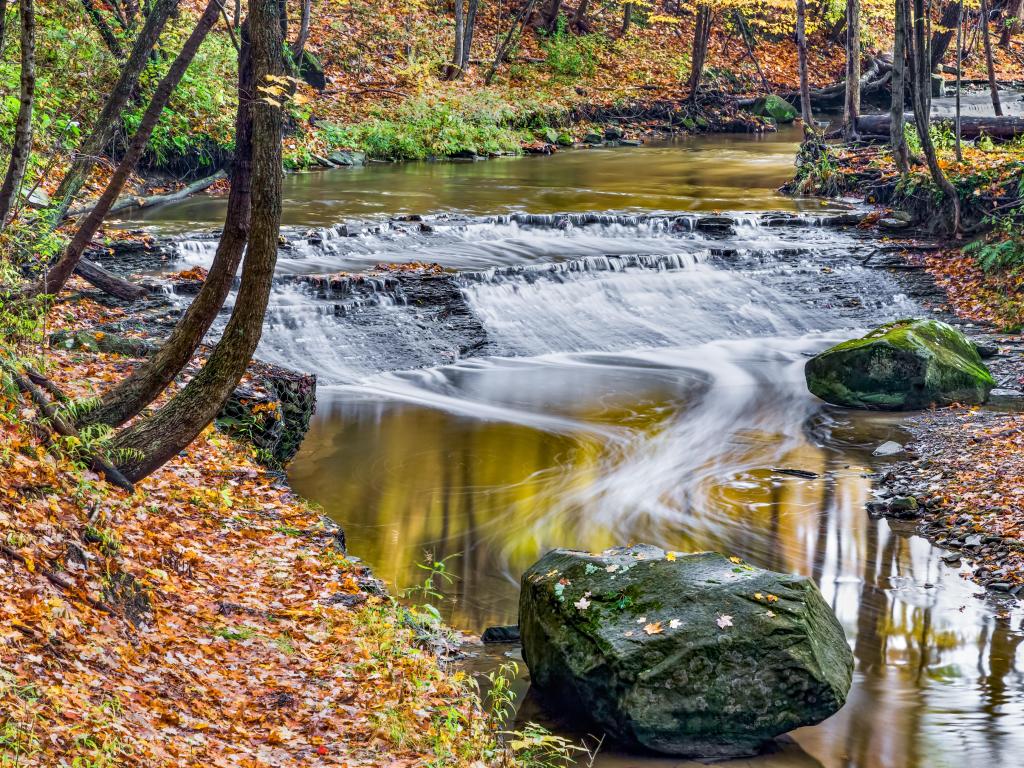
x,y
775,107
101,341
906,365
698,655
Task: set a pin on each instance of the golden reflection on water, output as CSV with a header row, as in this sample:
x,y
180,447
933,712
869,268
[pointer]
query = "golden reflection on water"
x,y
938,679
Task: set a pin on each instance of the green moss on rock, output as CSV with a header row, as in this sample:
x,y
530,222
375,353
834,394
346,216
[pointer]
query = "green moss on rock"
x,y
692,655
905,365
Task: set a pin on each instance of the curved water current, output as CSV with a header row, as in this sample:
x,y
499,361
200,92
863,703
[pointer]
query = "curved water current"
x,y
634,374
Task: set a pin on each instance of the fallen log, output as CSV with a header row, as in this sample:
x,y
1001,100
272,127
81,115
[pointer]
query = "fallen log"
x,y
108,282
1002,128
874,79
130,201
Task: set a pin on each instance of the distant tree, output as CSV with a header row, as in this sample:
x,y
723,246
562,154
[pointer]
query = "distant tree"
x,y
109,38
851,104
1011,24
699,52
153,441
59,273
801,49
986,37
110,116
22,146
897,137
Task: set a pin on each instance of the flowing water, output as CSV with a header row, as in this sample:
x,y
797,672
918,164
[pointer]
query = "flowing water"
x,y
632,373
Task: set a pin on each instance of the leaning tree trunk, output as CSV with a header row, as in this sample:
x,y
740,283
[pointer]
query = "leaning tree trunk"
x,y
130,396
1011,24
152,442
519,23
916,42
701,37
470,31
59,273
986,37
110,116
801,50
851,105
303,37
22,147
897,136
103,28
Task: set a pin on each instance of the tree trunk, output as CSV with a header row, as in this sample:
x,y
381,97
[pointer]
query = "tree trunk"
x,y
941,39
108,282
469,33
303,36
851,106
551,17
22,147
920,88
130,396
1010,25
60,272
3,22
986,37
701,36
627,19
103,28
110,116
897,137
801,49
154,441
957,122
455,68
1004,128
579,18
520,22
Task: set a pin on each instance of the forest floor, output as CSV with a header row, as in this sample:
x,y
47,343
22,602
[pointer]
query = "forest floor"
x,y
209,618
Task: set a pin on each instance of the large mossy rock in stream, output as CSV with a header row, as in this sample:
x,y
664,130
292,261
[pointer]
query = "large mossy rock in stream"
x,y
775,107
906,365
698,655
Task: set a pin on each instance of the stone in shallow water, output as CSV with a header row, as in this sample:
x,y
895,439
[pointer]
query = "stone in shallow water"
x,y
888,448
906,365
696,655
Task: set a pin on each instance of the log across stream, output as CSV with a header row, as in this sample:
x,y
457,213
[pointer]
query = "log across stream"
x,y
632,372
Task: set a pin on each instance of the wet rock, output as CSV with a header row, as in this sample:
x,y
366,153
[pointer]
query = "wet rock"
x,y
953,559
775,107
892,224
906,365
888,448
509,634
687,656
904,507
271,411
1004,396
592,138
716,225
986,351
844,220
613,133
98,341
347,158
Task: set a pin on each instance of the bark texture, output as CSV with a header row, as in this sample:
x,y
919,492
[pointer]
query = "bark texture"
x,y
152,442
701,37
801,50
22,147
897,138
986,37
129,397
851,106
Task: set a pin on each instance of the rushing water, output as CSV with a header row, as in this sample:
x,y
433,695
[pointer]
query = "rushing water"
x,y
637,377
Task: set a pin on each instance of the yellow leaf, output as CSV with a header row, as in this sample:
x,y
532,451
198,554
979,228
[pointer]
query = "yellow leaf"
x,y
670,556
653,629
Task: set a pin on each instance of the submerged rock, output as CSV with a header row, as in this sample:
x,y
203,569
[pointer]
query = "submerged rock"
x,y
906,365
774,107
696,655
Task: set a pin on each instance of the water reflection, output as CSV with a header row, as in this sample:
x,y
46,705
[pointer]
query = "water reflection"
x,y
938,677
706,173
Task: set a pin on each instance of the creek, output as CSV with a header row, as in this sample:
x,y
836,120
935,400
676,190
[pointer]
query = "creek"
x,y
604,361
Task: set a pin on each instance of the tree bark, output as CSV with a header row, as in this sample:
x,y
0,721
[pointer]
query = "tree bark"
x,y
109,282
3,23
154,441
940,40
1003,128
920,80
106,123
579,18
60,272
851,106
701,36
551,16
897,123
22,147
986,36
103,28
1012,24
801,49
627,19
303,36
455,68
470,32
520,21
130,396
957,118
